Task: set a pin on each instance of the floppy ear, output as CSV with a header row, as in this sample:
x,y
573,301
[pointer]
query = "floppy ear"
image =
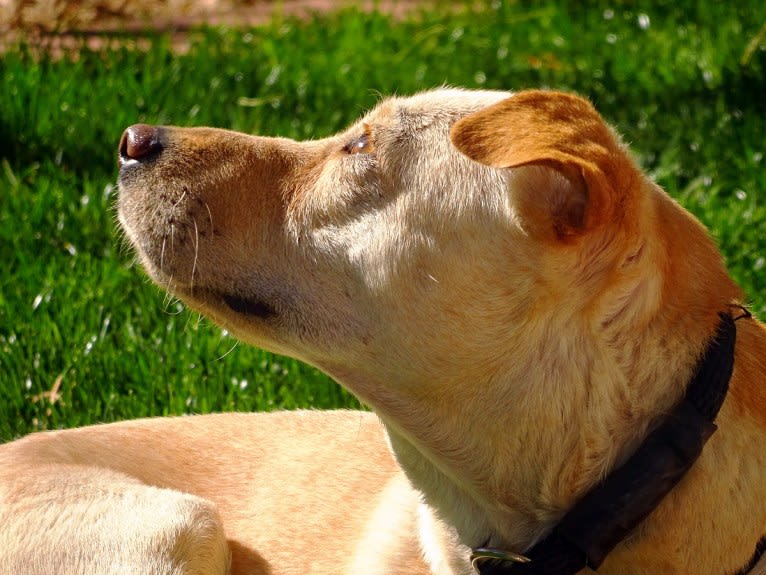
x,y
581,166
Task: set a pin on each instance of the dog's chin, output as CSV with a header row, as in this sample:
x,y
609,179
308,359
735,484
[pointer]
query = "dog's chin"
x,y
206,299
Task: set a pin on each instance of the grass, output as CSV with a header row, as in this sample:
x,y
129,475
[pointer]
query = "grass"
x,y
684,82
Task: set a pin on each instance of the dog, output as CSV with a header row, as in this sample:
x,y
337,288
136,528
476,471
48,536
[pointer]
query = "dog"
x,y
547,340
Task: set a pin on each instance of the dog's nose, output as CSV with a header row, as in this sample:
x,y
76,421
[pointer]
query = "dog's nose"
x,y
139,142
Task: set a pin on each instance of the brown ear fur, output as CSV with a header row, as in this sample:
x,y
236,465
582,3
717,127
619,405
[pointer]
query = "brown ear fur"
x,y
559,131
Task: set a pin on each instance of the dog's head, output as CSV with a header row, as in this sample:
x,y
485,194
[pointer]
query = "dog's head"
x,y
491,272
449,235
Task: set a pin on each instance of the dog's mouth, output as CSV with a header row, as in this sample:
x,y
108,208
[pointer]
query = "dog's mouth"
x,y
249,307
213,301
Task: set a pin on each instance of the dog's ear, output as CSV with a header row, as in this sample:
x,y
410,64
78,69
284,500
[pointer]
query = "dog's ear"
x,y
577,165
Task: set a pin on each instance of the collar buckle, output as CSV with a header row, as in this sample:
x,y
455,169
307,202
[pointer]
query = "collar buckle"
x,y
482,554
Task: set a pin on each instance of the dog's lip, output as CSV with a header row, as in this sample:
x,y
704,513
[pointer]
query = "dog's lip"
x,y
244,305
248,306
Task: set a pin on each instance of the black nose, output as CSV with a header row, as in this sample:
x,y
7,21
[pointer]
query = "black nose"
x,y
139,142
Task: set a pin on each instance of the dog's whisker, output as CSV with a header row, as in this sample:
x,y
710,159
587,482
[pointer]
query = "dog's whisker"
x,y
162,253
210,217
231,349
166,301
180,199
196,254
170,296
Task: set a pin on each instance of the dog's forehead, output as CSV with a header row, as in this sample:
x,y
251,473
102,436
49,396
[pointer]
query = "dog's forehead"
x,y
426,108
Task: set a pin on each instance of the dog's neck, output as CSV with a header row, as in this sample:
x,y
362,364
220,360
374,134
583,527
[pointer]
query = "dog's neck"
x,y
510,486
503,473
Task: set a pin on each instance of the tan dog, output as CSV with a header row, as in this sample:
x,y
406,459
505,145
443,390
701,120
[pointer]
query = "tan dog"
x,y
520,306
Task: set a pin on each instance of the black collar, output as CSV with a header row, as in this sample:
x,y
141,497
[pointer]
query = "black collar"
x,y
607,513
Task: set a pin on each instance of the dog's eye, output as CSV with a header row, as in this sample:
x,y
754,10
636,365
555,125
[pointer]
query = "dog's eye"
x,y
360,145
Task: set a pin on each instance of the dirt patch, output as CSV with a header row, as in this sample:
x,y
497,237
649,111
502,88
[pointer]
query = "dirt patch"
x,y
35,18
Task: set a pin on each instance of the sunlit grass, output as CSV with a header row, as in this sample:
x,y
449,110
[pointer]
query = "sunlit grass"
x,y
684,84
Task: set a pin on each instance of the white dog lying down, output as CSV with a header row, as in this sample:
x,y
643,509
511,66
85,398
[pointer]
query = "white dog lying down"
x,y
545,337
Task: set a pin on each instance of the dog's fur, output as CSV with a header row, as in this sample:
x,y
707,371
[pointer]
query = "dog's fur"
x,y
491,273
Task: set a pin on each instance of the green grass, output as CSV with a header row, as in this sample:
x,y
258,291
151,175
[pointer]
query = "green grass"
x,y
683,82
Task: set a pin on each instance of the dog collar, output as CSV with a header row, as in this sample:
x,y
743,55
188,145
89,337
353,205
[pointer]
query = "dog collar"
x,y
612,509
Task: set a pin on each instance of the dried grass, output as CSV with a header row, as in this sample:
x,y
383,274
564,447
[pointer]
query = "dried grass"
x,y
36,17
